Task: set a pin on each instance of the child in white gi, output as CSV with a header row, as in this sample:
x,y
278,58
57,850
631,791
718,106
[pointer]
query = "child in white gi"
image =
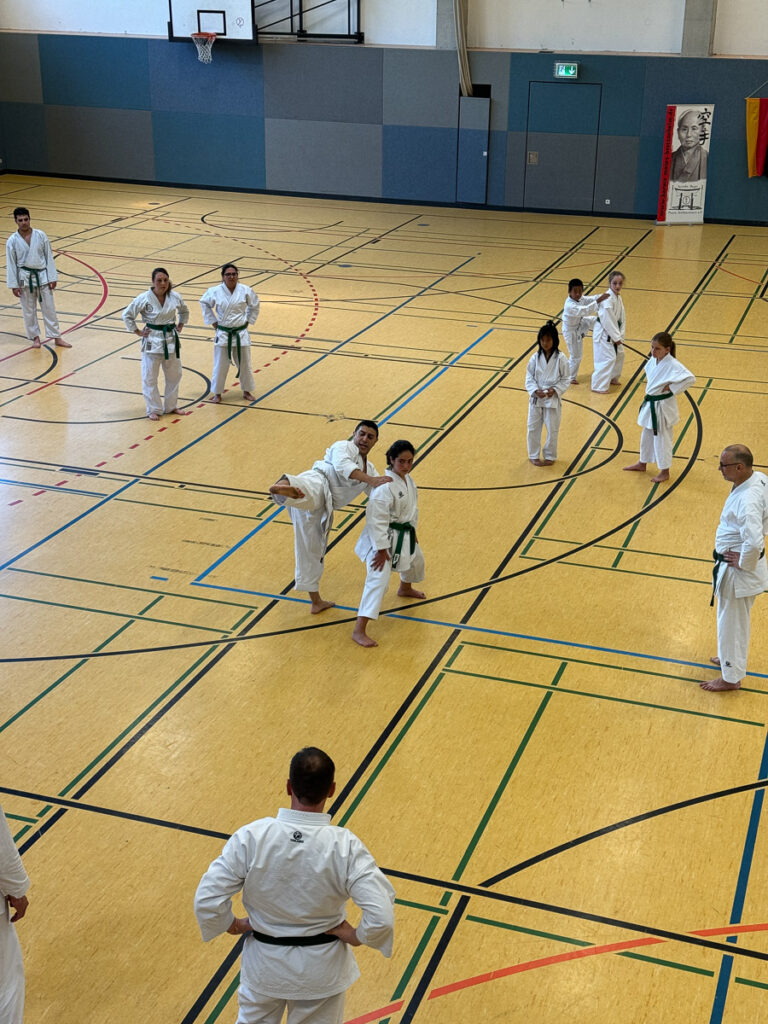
x,y
666,377
546,379
164,313
608,337
229,308
389,540
31,276
579,315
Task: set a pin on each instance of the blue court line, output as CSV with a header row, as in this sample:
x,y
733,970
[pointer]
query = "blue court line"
x,y
465,627
164,578
402,405
226,422
726,965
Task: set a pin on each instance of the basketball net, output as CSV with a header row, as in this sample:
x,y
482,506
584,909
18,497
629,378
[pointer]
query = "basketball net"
x,y
204,42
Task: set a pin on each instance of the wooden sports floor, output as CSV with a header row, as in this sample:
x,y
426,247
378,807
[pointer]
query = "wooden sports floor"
x,y
575,830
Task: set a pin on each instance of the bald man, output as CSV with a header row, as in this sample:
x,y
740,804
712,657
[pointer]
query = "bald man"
x,y
689,160
740,572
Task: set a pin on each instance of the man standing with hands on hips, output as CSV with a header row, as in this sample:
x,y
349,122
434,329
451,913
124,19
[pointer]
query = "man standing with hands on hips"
x,y
740,572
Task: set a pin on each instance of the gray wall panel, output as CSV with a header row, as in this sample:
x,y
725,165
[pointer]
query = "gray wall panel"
x,y
421,88
616,177
323,156
103,143
513,192
323,83
564,177
20,80
22,137
492,69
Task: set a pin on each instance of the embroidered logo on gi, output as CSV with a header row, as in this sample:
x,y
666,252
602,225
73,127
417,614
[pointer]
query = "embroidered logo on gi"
x,y
727,664
297,837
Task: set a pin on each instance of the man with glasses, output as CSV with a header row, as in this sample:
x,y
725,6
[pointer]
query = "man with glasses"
x,y
740,571
229,308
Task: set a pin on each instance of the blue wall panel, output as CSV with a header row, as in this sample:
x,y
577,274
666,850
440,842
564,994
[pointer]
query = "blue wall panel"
x,y
226,151
419,163
497,165
94,71
232,84
22,131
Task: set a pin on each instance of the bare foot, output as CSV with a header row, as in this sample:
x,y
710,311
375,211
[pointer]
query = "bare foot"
x,y
179,412
286,491
36,343
615,380
321,606
406,590
363,639
714,660
716,685
636,467
249,397
574,381
153,416
596,392
547,462
536,462
62,343
661,477
215,399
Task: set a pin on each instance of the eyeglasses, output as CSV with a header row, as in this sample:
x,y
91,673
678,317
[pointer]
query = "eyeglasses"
x,y
231,275
724,465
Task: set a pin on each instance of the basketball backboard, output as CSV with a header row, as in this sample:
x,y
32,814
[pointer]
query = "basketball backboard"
x,y
231,20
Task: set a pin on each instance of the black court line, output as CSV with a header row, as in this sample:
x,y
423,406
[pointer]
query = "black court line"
x,y
433,963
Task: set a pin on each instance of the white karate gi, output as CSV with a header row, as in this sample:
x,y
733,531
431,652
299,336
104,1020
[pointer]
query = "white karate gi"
x,y
326,487
296,873
607,342
578,320
231,309
13,882
396,502
657,446
21,257
743,526
540,375
152,311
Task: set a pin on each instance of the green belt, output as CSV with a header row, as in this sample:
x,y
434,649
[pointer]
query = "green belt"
x,y
719,562
36,285
402,530
236,332
167,329
652,400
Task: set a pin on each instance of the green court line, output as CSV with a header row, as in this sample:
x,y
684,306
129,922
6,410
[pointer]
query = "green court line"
x,y
151,604
629,572
493,804
132,725
240,621
750,304
56,682
20,817
228,993
414,961
124,586
753,984
600,696
102,611
408,903
22,831
635,551
390,750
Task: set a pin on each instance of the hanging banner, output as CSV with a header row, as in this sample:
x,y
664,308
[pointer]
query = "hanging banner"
x,y
684,164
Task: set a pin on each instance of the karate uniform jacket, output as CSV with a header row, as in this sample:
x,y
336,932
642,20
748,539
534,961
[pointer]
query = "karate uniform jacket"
x,y
395,502
611,323
152,311
743,526
37,255
574,313
296,872
341,459
658,374
542,374
230,309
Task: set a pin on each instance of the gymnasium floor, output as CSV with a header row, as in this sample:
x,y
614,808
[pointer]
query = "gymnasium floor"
x,y
573,827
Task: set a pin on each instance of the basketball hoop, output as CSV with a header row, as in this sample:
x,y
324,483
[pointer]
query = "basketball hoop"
x,y
204,42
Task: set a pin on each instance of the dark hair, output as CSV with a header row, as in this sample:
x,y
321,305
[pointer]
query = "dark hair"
x,y
162,270
665,339
311,774
397,449
550,330
227,266
371,424
20,211
575,282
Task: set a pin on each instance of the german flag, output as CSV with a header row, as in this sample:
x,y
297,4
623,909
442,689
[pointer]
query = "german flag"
x,y
757,134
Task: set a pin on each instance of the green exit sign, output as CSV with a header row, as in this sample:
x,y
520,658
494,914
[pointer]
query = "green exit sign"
x,y
566,70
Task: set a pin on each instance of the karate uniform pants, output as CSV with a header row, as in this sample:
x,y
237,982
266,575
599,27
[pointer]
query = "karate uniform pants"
x,y
150,371
29,304
732,628
377,581
575,342
258,1009
312,518
540,416
609,362
657,448
11,973
221,366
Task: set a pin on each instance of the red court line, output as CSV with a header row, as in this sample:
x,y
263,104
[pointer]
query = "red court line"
x,y
104,290
50,382
377,1014
29,348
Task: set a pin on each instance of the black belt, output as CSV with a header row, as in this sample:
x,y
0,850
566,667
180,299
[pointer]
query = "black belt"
x,y
294,940
719,561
